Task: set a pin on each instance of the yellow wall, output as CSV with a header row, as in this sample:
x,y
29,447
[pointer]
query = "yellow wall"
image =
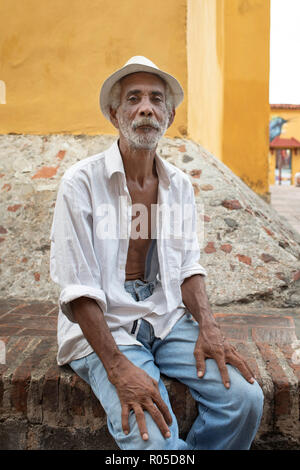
x,y
55,54
246,91
272,166
205,46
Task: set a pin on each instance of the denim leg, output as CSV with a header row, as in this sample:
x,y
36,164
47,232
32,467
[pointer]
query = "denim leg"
x,y
91,369
228,418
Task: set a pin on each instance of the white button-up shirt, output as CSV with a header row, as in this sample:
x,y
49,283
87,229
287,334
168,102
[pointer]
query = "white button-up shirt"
x,y
86,262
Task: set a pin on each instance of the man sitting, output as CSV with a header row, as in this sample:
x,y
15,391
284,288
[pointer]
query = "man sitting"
x,y
133,303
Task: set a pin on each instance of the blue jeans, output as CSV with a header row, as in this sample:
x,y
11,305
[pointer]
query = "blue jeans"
x,y
227,418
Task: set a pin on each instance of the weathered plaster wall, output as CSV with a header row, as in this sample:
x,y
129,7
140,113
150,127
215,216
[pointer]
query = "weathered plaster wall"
x,y
205,51
228,84
246,91
55,55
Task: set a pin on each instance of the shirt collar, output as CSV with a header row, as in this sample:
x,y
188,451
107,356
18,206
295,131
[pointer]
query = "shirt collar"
x,y
114,163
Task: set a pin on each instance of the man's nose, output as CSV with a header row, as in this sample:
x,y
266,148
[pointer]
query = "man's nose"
x,y
145,108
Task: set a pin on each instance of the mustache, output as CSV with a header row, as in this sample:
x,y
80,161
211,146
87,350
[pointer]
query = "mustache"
x,y
145,122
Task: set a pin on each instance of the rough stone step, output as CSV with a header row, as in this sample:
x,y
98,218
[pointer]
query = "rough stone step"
x,y
44,406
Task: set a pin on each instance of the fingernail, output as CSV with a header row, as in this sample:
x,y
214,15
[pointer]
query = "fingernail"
x,y
126,432
227,385
200,373
168,434
145,436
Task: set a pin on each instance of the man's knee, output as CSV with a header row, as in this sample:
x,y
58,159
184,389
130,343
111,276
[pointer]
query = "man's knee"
x,y
256,398
248,399
155,441
134,441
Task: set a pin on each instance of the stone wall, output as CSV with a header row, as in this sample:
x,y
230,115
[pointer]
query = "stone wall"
x,y
241,236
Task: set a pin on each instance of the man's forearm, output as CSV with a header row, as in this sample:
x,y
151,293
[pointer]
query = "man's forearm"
x,y
95,329
195,298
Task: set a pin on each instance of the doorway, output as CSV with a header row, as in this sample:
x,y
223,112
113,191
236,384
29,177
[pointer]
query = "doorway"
x,y
283,169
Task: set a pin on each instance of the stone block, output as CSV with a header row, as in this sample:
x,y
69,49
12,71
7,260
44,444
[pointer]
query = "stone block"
x,y
13,435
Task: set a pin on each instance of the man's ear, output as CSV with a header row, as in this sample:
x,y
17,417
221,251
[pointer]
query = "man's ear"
x,y
113,117
171,117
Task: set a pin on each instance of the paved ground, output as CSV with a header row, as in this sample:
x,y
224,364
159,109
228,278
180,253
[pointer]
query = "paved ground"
x,y
286,200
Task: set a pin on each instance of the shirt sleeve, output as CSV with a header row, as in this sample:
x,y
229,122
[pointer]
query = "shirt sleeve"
x,y
190,264
73,262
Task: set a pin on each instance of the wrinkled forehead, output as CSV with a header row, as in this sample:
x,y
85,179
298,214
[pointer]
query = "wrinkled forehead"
x,y
143,81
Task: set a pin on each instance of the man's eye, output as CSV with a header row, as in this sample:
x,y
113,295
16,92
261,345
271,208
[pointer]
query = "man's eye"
x,y
132,98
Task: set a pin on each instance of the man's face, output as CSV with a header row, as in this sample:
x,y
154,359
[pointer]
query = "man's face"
x,y
142,117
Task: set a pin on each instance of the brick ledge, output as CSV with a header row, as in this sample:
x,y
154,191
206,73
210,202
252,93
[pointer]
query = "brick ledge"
x,y
44,406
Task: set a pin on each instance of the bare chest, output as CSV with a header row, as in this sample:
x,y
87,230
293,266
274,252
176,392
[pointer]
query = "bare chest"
x,y
142,227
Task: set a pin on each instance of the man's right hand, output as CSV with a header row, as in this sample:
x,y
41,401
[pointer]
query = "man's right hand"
x,y
137,391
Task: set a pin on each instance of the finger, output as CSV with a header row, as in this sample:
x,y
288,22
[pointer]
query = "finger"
x,y
237,361
200,363
125,419
163,408
244,362
141,422
158,418
220,360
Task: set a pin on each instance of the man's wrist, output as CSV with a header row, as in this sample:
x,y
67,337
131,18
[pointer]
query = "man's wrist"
x,y
205,318
116,366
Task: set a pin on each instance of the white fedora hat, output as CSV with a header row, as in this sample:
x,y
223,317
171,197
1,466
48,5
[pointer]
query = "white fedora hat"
x,y
138,64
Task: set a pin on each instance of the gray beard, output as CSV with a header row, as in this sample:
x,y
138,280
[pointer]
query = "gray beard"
x,y
145,141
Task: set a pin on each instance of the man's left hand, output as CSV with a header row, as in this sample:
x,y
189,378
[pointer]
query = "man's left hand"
x,y
212,344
